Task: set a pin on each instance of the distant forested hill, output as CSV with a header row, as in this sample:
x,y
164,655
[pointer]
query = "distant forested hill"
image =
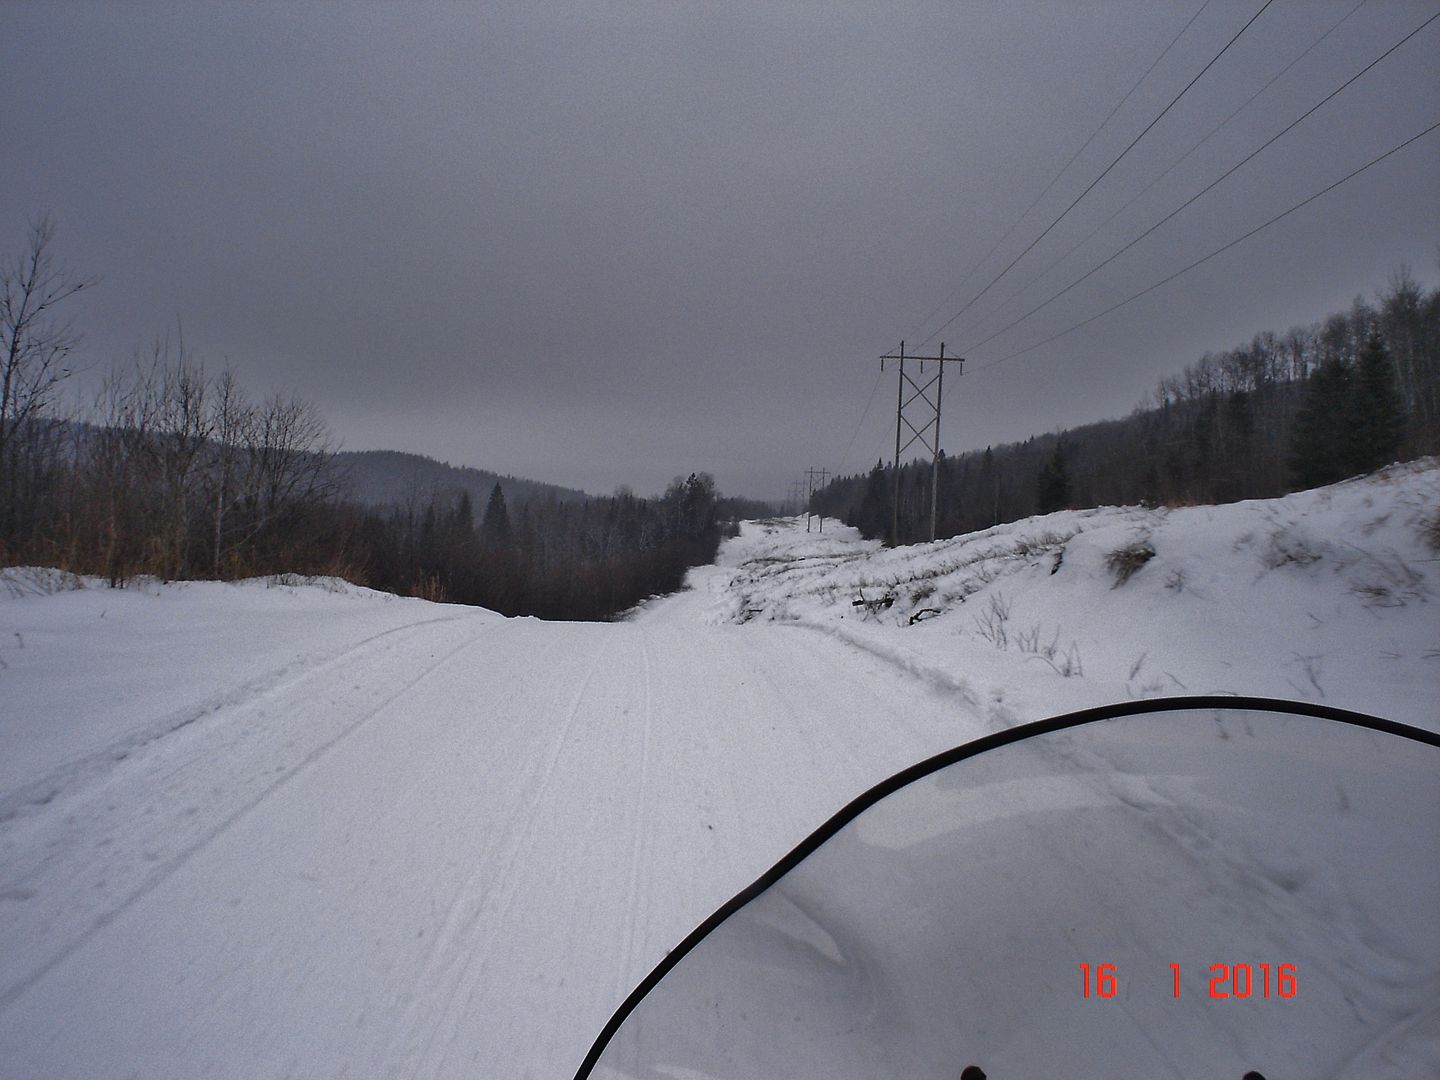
x,y
394,478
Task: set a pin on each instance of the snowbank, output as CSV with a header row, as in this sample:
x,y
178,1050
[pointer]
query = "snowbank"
x,y
1325,595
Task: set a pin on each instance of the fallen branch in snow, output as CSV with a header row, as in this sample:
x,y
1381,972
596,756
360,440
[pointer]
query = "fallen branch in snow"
x,y
873,606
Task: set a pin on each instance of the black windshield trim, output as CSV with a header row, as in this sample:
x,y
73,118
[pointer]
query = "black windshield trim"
x,y
946,758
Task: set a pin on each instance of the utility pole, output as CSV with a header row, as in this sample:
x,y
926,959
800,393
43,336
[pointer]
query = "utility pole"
x,y
810,476
927,433
792,503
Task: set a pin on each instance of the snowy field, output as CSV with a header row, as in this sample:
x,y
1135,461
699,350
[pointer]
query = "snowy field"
x,y
304,829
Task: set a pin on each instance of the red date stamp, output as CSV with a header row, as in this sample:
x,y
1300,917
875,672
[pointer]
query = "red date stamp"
x,y
1225,980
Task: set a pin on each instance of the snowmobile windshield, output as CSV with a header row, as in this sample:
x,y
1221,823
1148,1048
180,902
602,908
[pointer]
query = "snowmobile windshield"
x,y
1190,888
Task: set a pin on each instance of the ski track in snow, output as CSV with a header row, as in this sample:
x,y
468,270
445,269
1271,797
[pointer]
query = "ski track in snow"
x,y
450,848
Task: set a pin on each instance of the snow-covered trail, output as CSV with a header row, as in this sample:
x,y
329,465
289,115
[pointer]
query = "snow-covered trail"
x,y
447,852
302,829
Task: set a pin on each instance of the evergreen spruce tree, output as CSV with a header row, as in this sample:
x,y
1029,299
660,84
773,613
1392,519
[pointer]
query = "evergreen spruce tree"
x,y
464,520
1052,490
873,518
990,487
496,526
1322,446
1350,421
1377,422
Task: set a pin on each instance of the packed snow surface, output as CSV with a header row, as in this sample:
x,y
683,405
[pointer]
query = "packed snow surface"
x,y
296,828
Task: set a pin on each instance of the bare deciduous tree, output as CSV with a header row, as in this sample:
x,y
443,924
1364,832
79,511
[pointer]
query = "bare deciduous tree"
x,y
234,429
33,342
33,347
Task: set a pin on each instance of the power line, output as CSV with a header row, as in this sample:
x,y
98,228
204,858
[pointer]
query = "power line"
x,y
1182,159
1106,172
1025,213
1206,258
1163,53
1228,172
793,501
845,457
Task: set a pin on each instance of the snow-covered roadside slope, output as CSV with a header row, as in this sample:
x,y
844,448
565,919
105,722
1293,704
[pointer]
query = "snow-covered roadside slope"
x,y
1330,595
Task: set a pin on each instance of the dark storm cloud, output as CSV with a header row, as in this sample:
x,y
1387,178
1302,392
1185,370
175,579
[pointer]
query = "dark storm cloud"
x,y
607,243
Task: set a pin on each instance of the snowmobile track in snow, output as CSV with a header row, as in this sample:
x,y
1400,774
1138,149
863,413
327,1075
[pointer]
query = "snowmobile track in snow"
x,y
99,763
453,962
152,870
640,843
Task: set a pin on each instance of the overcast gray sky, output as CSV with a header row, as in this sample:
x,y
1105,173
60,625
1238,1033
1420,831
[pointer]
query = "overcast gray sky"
x,y
605,243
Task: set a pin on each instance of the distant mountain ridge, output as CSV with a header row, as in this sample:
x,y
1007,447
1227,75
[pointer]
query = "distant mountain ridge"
x,y
391,477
